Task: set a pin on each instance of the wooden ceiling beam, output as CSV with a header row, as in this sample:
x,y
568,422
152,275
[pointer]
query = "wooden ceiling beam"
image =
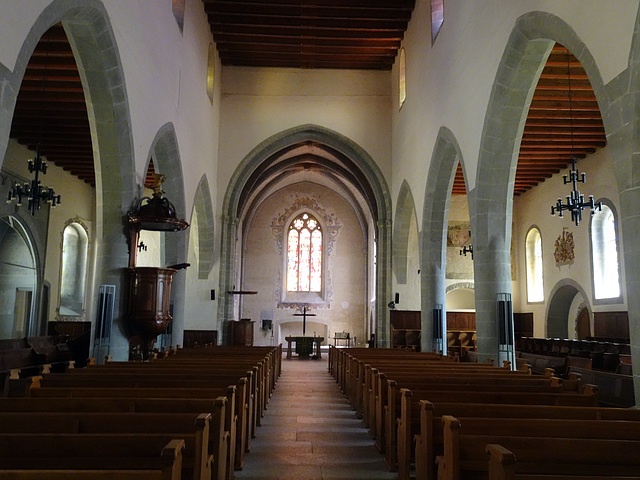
x,y
249,39
277,21
393,4
342,11
308,32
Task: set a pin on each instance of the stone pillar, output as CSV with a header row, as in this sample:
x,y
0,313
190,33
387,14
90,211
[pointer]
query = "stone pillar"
x,y
227,275
383,282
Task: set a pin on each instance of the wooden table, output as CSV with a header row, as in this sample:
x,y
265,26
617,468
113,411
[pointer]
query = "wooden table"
x,y
305,346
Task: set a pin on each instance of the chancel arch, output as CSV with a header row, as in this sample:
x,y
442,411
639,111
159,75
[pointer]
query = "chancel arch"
x,y
339,183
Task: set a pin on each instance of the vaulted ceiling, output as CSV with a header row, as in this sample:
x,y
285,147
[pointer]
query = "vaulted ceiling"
x,y
51,110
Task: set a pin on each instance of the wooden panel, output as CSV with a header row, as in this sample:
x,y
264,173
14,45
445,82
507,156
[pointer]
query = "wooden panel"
x,y
611,325
200,337
523,324
405,319
461,320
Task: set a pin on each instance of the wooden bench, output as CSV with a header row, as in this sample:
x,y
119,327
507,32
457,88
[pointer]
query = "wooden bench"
x,y
183,425
247,409
129,456
398,419
541,460
231,421
429,442
218,440
465,454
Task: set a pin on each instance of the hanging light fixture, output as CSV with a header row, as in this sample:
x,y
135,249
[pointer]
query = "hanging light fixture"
x,y
467,247
575,200
35,193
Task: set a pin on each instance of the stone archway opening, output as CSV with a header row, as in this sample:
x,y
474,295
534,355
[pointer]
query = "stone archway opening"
x,y
312,168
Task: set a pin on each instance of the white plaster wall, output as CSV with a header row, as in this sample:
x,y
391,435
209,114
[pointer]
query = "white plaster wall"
x,y
449,83
533,208
260,102
263,267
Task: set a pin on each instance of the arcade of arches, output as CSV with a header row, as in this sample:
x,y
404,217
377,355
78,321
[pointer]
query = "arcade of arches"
x,y
395,189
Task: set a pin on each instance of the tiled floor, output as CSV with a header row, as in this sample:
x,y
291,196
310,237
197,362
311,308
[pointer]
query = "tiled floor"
x,y
311,433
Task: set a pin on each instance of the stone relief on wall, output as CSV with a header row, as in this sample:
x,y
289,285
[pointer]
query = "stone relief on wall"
x,y
331,226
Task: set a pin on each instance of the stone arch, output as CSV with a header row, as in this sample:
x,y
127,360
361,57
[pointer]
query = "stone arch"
x,y
86,23
560,300
21,271
527,49
435,215
203,208
166,159
372,179
405,214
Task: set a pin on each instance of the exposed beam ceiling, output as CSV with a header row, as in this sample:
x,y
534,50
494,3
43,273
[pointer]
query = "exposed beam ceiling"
x,y
353,34
555,129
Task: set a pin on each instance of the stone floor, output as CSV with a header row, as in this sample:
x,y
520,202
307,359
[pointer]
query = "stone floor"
x,y
310,432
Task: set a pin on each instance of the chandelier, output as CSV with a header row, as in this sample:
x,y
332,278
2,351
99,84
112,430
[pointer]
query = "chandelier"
x,y
575,200
33,192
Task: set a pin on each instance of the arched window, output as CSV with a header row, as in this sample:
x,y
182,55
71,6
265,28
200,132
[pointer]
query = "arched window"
x,y
604,248
304,255
402,78
73,271
535,286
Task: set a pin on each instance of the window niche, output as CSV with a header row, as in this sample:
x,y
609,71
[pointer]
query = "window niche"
x,y
604,255
305,235
402,78
533,249
73,270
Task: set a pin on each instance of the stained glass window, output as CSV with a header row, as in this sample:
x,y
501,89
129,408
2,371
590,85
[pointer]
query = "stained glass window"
x,y
304,255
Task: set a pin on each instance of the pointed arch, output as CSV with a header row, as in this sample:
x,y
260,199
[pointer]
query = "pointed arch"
x,y
92,40
435,215
203,208
405,214
368,178
527,49
166,159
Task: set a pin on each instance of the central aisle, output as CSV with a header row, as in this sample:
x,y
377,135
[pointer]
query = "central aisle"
x,y
310,432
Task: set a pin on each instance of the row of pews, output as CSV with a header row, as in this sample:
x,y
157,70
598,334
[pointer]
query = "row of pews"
x,y
455,421
189,414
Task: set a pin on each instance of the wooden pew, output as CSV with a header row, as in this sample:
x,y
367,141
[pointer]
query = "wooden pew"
x,y
429,442
540,463
159,393
378,398
465,454
397,434
124,407
184,376
74,455
185,425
